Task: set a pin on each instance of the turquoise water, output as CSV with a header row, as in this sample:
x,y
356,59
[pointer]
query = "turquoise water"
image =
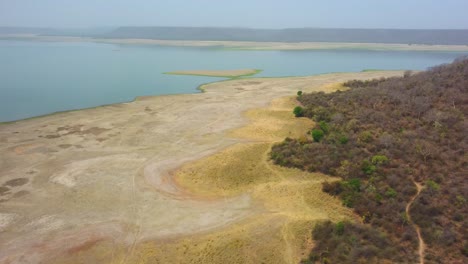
x,y
38,78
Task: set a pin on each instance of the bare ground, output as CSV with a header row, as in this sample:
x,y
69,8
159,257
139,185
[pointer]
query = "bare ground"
x,y
95,185
218,73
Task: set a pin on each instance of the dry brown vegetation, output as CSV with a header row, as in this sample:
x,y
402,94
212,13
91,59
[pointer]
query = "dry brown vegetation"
x,y
290,200
379,137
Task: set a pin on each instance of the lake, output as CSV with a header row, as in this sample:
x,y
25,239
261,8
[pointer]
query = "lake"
x,y
38,78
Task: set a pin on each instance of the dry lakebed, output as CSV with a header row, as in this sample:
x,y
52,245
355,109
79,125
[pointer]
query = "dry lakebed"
x,y
165,179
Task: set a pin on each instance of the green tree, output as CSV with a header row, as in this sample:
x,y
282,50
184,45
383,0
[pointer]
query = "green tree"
x,y
367,167
433,186
298,111
317,134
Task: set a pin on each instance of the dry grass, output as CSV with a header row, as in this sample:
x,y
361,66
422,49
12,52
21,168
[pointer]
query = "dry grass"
x,y
292,200
274,123
333,87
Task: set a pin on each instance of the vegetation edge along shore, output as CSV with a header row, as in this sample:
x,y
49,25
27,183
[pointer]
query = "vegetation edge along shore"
x,y
379,136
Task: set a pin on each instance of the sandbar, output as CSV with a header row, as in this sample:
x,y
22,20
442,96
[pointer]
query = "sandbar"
x,y
218,73
249,45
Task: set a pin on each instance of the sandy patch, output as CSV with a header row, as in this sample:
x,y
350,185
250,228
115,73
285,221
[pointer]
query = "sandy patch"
x,y
44,224
6,219
83,170
217,73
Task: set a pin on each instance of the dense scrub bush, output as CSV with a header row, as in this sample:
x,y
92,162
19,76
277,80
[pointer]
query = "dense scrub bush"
x,y
356,243
383,134
365,83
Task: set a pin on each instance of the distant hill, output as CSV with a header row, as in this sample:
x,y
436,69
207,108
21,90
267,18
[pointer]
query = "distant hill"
x,y
395,36
26,30
401,36
73,32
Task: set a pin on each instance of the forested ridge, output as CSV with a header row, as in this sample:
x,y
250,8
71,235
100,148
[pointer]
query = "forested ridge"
x,y
382,137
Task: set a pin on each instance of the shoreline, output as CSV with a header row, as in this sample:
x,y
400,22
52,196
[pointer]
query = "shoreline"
x,y
247,45
198,89
228,74
206,44
103,174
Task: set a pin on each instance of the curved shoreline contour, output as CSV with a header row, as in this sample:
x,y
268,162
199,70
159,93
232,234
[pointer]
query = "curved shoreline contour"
x,y
230,74
96,184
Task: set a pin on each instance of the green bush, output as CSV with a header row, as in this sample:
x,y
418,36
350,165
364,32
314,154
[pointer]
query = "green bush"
x,y
367,167
432,185
343,139
391,193
299,93
354,184
317,134
379,159
298,111
324,127
339,228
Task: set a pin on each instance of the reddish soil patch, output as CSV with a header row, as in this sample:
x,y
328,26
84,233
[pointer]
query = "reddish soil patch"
x,y
84,246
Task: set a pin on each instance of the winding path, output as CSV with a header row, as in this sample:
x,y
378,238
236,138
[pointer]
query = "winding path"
x,y
421,244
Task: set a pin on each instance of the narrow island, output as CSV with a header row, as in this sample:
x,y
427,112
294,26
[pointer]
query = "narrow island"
x,y
230,74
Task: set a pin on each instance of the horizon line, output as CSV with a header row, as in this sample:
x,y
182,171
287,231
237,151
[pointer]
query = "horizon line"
x,y
223,27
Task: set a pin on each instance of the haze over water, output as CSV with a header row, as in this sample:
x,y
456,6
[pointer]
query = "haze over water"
x,y
38,78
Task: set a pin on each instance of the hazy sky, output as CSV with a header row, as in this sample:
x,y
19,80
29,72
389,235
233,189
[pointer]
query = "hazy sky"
x,y
238,13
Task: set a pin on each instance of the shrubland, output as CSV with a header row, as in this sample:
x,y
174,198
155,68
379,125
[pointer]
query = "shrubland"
x,y
381,137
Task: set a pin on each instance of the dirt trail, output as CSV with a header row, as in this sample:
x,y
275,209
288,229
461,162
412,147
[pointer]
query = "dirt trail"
x,y
421,244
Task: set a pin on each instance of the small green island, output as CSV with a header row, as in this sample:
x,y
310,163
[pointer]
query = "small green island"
x,y
231,74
